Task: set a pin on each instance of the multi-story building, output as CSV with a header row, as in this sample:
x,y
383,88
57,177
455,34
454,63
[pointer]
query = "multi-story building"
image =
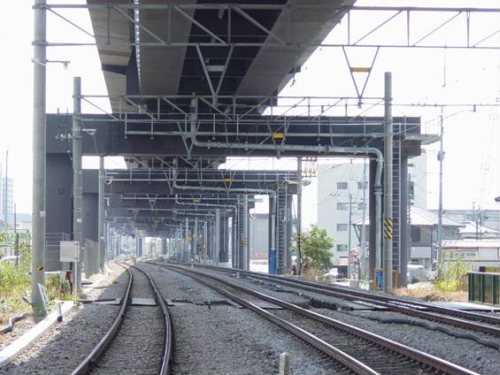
x,y
343,199
6,197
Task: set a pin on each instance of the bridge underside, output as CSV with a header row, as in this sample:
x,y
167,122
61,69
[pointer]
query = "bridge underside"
x,y
191,83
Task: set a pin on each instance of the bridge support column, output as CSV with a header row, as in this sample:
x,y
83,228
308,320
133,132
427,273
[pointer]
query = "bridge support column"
x,y
242,226
217,233
185,256
102,222
272,235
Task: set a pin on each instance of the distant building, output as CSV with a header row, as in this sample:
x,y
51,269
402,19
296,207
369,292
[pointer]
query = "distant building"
x,y
423,234
6,197
475,253
480,223
343,199
259,235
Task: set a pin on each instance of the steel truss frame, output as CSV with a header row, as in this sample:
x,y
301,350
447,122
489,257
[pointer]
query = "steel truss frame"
x,y
466,16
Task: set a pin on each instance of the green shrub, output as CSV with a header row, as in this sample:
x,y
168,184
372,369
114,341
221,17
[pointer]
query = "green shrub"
x,y
452,274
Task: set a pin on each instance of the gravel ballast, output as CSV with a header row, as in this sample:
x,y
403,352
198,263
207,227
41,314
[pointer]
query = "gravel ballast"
x,y
219,338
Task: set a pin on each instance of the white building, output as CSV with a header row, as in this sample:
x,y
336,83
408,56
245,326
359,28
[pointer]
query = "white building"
x,y
6,196
343,198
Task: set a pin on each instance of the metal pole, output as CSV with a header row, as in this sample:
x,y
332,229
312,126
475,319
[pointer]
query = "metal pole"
x,y
77,175
205,237
299,217
194,251
102,223
215,255
349,246
186,241
440,158
246,252
39,161
387,268
364,261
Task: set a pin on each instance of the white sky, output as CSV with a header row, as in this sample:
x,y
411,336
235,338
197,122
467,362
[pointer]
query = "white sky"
x,y
471,139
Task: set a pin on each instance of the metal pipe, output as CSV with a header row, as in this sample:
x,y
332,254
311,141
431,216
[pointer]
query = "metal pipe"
x,y
223,134
327,149
202,204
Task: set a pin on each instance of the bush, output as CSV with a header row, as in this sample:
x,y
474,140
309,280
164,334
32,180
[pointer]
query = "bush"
x,y
452,275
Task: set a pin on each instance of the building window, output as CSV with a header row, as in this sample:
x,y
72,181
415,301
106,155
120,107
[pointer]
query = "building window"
x,y
362,185
341,227
341,185
361,205
415,234
341,206
342,248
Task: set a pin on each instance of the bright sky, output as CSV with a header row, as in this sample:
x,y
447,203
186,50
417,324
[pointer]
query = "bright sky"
x,y
471,139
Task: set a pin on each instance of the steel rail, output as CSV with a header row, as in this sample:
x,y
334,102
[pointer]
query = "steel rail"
x,y
323,346
395,302
450,316
86,365
413,354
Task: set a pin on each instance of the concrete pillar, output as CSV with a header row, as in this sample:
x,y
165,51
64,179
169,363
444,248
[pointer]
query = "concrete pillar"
x,y
39,164
102,212
77,175
217,237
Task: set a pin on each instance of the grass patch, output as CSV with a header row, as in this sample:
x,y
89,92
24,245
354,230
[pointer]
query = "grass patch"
x,y
16,282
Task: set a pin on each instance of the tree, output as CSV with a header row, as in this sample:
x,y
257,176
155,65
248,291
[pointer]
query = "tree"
x,y
316,248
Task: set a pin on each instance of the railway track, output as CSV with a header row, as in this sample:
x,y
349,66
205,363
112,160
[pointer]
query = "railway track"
x,y
468,320
360,351
140,339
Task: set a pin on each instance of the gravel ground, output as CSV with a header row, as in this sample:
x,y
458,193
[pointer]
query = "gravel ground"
x,y
65,344
464,352
221,339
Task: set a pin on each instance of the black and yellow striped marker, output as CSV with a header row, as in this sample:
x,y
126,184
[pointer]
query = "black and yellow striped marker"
x,y
387,228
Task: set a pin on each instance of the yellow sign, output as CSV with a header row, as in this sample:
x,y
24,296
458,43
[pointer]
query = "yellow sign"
x,y
278,136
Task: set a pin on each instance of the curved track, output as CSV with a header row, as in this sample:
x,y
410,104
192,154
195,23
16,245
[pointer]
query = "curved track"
x,y
135,329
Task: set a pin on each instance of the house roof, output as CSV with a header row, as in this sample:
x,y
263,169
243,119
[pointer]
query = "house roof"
x,y
470,244
472,229
421,217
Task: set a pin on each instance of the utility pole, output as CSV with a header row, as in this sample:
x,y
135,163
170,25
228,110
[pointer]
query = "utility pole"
x,y
349,246
299,217
39,163
102,213
364,261
440,158
76,135
388,143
